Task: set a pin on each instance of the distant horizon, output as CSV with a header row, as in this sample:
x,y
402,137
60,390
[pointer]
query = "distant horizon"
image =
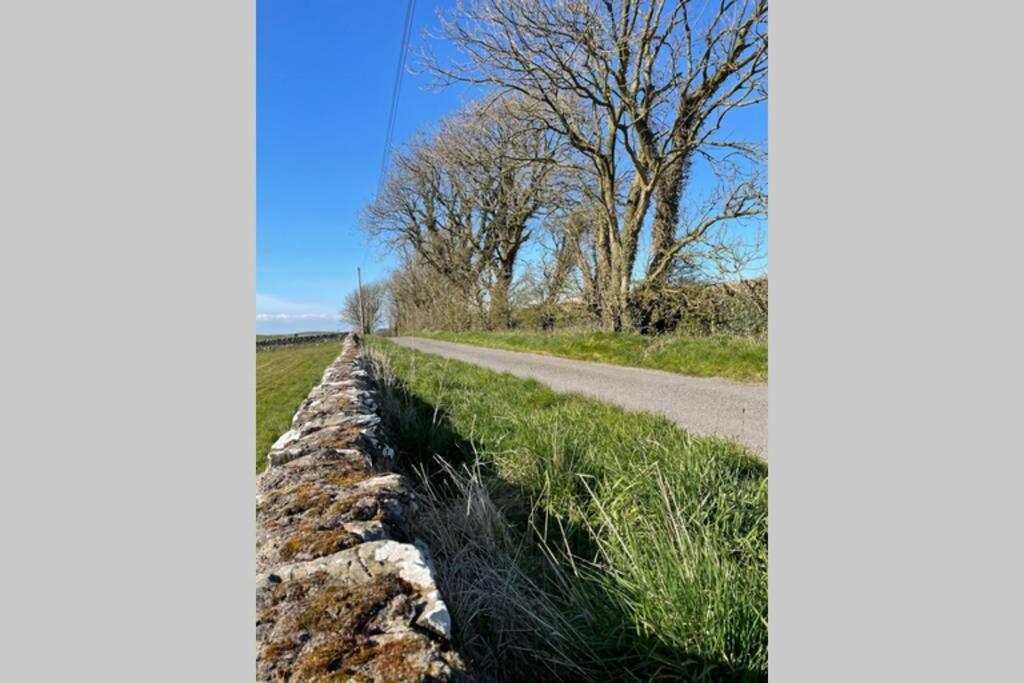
x,y
300,332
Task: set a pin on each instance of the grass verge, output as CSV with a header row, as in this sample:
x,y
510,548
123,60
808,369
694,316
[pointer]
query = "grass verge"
x,y
737,358
577,541
284,377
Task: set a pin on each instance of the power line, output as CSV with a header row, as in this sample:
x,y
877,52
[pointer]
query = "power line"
x,y
396,91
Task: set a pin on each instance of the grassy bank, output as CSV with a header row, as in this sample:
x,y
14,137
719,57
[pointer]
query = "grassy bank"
x,y
574,540
284,378
737,358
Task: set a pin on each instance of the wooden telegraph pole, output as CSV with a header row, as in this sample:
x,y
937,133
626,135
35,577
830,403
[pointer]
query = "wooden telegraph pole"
x,y
362,312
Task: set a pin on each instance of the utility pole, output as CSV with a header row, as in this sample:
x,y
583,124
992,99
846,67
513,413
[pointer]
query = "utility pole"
x,y
362,312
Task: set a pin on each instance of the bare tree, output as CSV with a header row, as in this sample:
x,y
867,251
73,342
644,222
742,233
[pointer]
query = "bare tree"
x,y
374,299
559,261
640,89
422,298
463,198
511,165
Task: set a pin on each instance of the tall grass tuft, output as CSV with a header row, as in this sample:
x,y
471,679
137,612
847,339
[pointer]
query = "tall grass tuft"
x,y
574,540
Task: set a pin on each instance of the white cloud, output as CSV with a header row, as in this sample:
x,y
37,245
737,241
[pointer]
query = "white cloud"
x,y
294,316
269,307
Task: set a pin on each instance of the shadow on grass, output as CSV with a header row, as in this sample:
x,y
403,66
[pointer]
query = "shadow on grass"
x,y
422,433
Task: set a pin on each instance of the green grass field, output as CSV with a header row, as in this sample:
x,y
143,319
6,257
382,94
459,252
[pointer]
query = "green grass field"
x,y
263,337
736,358
577,541
284,377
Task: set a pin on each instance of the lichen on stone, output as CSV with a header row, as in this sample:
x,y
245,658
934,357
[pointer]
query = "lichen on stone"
x,y
342,595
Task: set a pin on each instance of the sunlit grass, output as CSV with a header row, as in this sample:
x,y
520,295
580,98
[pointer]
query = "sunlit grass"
x,y
738,358
641,550
284,377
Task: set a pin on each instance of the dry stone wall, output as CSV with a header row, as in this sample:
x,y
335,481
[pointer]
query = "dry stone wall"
x,y
297,339
343,592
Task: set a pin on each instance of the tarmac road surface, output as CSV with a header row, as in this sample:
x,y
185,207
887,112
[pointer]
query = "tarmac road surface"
x,y
701,405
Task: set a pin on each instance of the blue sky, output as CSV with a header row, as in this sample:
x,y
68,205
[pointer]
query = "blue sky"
x,y
324,75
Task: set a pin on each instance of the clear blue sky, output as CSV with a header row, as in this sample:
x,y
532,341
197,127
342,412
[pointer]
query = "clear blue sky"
x,y
324,75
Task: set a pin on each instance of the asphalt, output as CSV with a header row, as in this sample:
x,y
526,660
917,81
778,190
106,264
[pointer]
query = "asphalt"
x,y
701,405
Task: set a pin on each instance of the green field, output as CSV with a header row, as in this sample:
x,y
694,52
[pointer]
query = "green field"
x,y
577,541
284,377
264,337
736,358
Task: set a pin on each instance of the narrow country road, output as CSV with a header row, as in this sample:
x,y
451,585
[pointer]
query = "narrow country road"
x,y
702,405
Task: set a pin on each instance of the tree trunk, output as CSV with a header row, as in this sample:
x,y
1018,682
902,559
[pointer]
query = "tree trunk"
x,y
623,253
666,215
500,309
664,233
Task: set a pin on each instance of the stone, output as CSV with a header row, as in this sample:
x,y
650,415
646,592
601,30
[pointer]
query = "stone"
x,y
341,592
